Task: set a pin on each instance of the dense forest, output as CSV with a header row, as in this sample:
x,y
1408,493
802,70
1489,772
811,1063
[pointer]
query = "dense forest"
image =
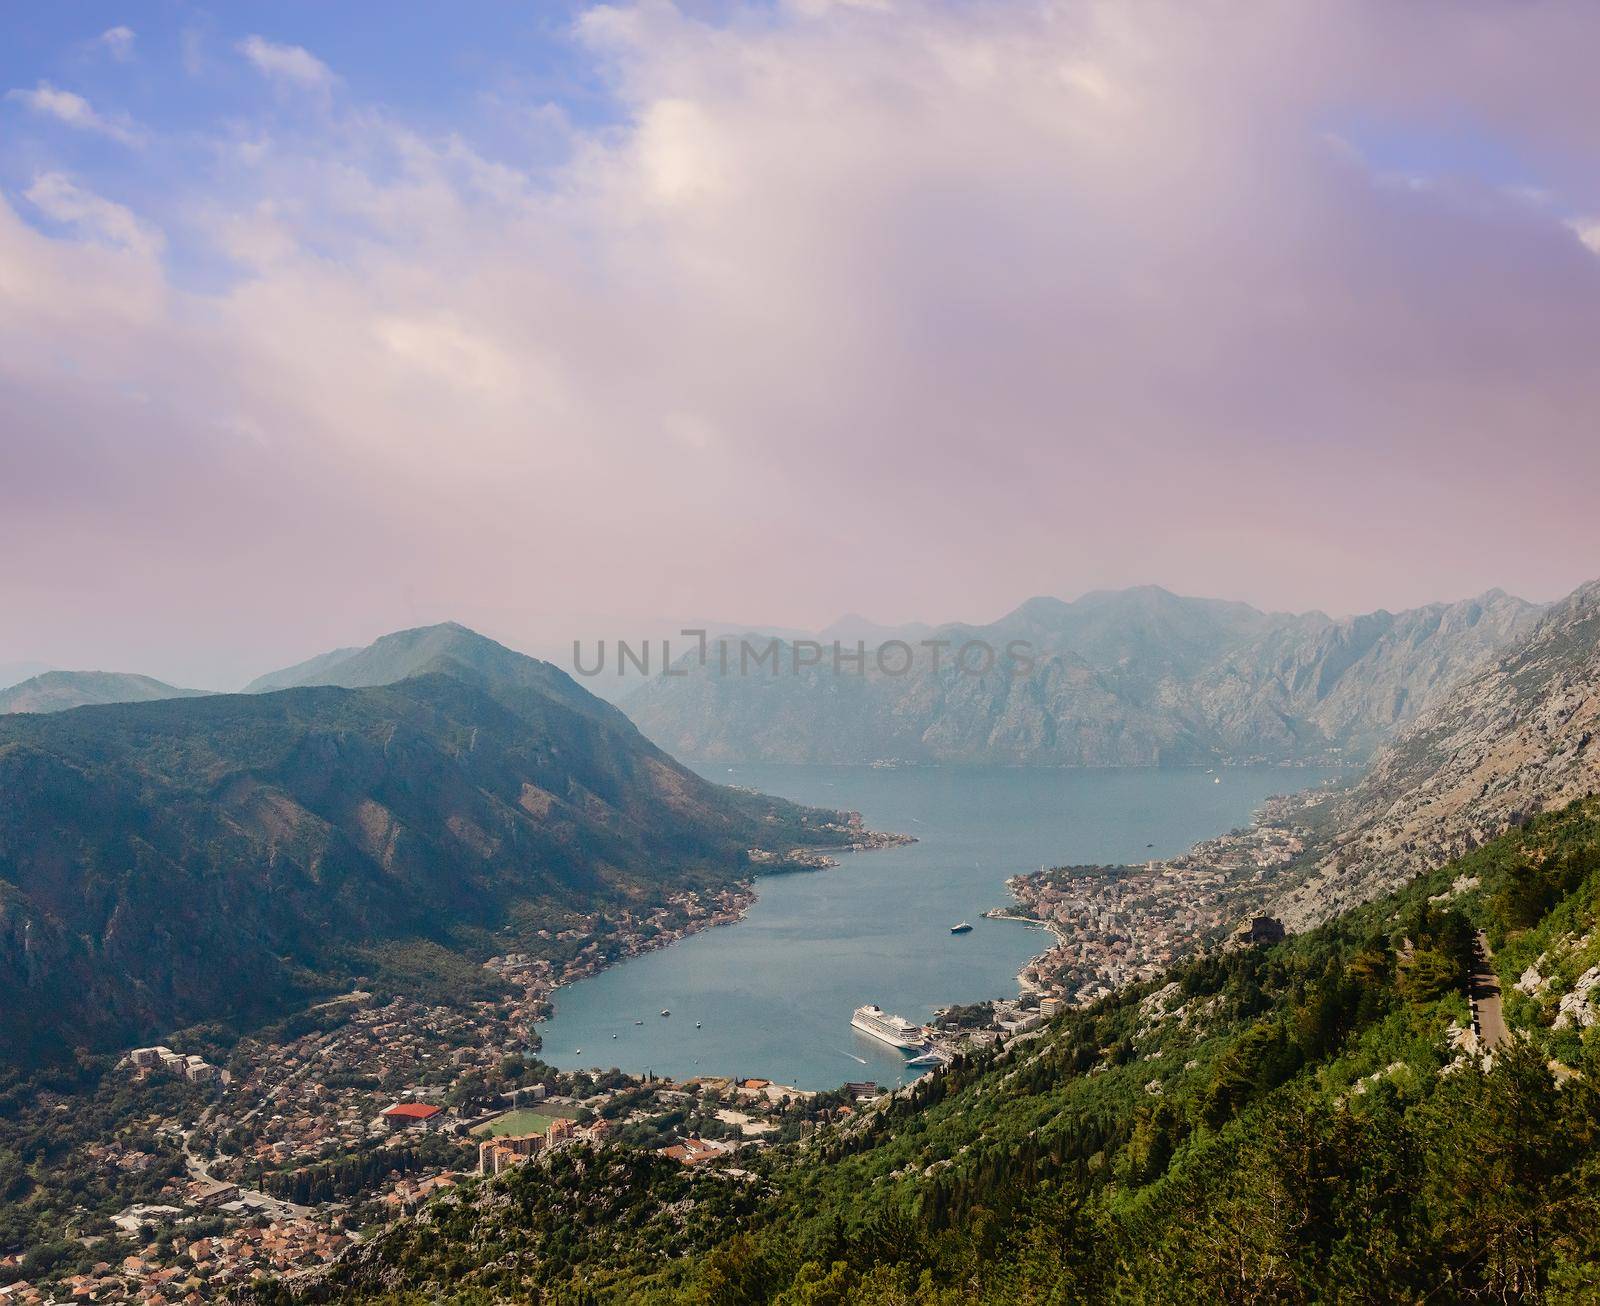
x,y
1303,1122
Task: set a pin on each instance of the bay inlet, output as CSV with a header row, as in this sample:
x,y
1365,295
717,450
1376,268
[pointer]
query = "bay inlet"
x,y
773,994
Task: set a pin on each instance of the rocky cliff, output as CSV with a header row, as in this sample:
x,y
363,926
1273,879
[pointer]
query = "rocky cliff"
x,y
1516,737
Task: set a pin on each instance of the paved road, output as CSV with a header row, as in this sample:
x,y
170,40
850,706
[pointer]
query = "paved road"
x,y
1483,987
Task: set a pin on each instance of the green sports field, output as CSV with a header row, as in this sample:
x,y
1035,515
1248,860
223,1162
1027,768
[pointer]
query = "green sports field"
x,y
516,1122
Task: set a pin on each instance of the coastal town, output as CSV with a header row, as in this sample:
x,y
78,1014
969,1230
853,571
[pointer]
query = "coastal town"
x,y
300,1150
1118,925
289,1150
269,1162
368,1110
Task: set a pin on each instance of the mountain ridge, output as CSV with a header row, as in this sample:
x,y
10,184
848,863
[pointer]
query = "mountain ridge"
x,y
405,653
1132,677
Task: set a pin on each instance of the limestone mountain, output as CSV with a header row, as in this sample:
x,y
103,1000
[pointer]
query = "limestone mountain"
x,y
57,691
220,858
1350,683
1124,678
1515,738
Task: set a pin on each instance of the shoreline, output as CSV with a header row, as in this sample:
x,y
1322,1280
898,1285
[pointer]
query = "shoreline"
x,y
1038,978
743,894
1006,914
1134,921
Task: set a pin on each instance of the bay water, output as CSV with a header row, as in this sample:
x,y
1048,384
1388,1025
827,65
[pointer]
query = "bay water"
x,y
772,996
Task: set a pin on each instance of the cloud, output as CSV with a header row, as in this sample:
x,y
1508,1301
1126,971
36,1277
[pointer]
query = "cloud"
x,y
61,199
118,42
1587,230
919,309
75,111
288,65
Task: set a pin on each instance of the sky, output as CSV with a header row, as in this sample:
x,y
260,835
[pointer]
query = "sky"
x,y
567,320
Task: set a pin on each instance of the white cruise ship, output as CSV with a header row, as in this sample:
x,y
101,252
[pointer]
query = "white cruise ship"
x,y
893,1030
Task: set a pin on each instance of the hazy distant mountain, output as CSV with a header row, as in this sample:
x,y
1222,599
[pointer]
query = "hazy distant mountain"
x,y
220,857
56,691
1515,738
1352,682
309,672
12,673
852,627
1130,677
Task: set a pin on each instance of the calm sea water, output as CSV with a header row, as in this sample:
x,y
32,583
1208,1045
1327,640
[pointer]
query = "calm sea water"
x,y
773,994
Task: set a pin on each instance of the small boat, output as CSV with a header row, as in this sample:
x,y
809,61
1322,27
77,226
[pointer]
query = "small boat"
x,y
613,1036
638,1022
697,1024
665,1012
577,1052
963,928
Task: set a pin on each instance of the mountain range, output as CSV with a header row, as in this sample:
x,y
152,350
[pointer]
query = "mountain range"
x,y
1132,677
222,857
195,857
1124,678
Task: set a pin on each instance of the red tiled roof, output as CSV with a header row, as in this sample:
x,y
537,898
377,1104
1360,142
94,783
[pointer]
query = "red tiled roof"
x,y
411,1111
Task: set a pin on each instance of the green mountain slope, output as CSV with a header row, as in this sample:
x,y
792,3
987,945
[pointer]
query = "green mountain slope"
x,y
1302,1123
220,858
408,653
58,691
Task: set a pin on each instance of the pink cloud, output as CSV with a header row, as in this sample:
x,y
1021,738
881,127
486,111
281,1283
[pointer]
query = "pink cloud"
x,y
911,309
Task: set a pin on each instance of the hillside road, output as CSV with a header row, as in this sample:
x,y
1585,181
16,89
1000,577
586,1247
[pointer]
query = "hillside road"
x,y
1483,988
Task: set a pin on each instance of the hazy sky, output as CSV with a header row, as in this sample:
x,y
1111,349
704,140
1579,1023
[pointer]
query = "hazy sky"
x,y
553,318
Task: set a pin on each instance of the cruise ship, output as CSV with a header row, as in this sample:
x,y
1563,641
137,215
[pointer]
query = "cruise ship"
x,y
893,1030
